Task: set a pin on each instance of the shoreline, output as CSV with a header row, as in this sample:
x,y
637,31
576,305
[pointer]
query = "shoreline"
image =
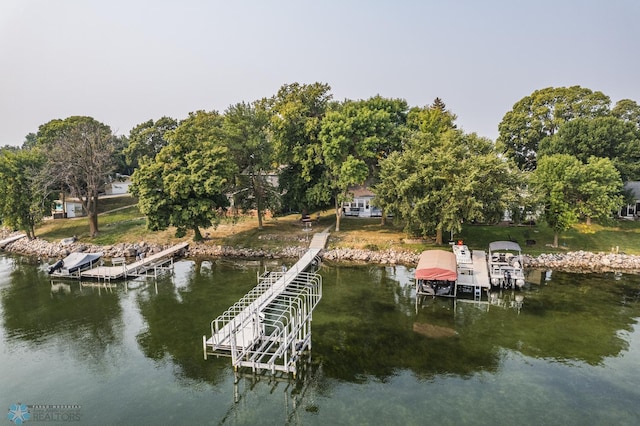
x,y
577,261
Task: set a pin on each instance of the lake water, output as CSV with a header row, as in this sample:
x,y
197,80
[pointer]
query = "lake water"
x,y
564,351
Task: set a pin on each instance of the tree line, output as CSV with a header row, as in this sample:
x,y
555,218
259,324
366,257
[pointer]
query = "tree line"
x,y
560,151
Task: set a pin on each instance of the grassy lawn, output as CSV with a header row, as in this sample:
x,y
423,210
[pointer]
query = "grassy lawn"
x,y
126,224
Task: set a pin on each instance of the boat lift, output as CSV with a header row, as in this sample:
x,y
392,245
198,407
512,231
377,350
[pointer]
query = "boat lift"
x,y
270,327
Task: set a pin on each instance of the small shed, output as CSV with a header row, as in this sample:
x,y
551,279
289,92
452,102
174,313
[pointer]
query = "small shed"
x,y
67,208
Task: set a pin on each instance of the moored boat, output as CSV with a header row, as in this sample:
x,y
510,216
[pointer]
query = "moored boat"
x,y
73,264
506,267
436,273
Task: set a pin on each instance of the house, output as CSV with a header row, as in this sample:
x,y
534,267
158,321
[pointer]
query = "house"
x,y
360,205
119,185
631,211
68,207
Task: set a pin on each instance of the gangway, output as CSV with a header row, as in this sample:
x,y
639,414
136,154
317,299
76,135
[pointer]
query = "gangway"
x,y
270,326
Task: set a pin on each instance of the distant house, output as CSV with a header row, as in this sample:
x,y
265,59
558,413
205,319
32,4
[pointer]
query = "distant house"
x,y
360,205
631,211
119,185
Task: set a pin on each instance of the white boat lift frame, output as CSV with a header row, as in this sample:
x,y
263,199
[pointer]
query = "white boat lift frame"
x,y
270,327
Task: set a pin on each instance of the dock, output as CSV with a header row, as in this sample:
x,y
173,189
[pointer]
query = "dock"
x,y
475,274
148,265
11,239
270,327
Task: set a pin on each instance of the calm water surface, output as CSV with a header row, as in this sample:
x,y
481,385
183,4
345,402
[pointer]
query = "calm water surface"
x,y
564,351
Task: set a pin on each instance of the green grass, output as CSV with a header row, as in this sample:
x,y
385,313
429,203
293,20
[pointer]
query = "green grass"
x,y
128,225
108,204
114,227
625,235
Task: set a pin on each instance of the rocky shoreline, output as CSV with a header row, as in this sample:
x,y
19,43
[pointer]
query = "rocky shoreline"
x,y
578,261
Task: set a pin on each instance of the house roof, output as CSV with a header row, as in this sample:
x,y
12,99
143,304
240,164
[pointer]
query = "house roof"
x,y
634,188
361,191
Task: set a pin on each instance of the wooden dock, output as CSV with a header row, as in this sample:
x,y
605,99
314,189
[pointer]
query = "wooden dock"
x,y
138,268
11,239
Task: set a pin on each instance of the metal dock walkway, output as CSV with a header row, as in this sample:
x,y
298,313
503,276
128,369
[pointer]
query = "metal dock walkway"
x,y
141,267
270,326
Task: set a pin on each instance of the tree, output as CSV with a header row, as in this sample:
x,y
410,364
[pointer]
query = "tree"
x,y
553,180
540,115
604,137
627,110
432,119
245,132
185,185
441,180
120,165
599,189
297,113
354,138
79,160
22,204
147,139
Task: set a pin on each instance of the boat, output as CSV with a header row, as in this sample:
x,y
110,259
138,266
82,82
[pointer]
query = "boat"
x,y
506,267
436,273
72,265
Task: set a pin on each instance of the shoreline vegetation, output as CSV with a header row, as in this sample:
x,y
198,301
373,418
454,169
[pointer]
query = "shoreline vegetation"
x,y
595,248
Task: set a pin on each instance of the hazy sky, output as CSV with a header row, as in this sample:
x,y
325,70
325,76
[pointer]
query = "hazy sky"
x,y
124,62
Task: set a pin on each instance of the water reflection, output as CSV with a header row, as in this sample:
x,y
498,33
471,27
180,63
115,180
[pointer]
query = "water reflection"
x,y
41,312
369,332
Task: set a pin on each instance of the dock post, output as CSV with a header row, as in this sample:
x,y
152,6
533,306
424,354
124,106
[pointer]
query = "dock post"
x,y
204,346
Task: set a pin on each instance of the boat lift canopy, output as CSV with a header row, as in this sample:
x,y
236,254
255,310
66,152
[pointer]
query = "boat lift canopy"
x,y
504,245
437,265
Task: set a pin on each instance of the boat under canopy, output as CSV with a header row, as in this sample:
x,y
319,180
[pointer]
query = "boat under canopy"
x,y
436,265
506,265
504,245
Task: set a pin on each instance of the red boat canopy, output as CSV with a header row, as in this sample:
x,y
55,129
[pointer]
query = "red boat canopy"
x,y
437,265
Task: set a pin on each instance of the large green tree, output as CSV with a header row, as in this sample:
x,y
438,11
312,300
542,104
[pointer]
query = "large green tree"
x,y
540,115
627,110
79,160
354,137
297,113
432,119
554,180
185,185
598,191
441,180
246,133
147,139
570,190
22,202
604,137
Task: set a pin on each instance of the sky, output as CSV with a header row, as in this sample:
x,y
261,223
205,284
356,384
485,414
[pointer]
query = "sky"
x,y
125,62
